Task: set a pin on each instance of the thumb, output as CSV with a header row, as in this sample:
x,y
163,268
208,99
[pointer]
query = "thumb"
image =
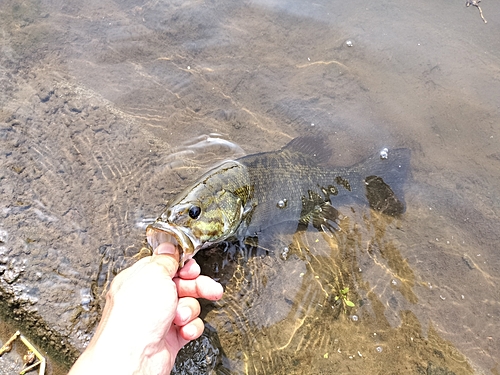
x,y
167,254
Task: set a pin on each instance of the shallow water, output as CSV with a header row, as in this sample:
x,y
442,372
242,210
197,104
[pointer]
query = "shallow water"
x,y
107,109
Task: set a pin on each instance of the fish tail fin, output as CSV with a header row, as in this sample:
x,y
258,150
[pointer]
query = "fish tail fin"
x,y
384,178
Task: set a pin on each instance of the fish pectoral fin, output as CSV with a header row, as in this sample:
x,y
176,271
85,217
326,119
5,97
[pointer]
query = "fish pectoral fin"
x,y
325,218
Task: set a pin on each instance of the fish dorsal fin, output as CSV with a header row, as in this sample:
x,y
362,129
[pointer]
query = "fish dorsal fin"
x,y
314,148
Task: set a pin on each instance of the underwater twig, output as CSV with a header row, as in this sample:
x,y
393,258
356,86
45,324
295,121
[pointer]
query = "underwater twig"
x,y
8,344
475,3
29,368
32,352
41,359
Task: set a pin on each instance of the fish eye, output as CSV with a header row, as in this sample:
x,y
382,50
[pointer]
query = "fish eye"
x,y
194,212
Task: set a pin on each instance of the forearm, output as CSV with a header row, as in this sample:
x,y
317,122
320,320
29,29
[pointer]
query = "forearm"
x,y
150,313
116,354
122,346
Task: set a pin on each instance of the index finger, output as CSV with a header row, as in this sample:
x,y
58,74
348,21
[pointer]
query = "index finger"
x,y
201,287
190,271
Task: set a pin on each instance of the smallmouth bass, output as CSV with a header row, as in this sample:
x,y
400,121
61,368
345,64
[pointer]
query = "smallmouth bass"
x,y
291,186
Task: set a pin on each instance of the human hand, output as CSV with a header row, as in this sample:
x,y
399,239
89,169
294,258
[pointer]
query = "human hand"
x,y
151,312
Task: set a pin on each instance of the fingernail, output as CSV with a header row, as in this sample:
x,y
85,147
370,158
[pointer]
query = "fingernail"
x,y
166,248
190,331
219,290
185,313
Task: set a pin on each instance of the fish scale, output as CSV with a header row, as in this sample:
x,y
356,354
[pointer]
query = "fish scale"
x,y
291,181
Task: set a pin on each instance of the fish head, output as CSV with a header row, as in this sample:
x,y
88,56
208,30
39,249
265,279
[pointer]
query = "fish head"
x,y
206,213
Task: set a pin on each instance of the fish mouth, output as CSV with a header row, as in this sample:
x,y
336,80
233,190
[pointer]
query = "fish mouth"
x,y
160,232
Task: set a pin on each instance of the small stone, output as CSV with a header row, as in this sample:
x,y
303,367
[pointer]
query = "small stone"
x,y
10,276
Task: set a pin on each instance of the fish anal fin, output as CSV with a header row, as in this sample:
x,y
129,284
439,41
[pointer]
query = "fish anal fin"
x,y
386,177
382,198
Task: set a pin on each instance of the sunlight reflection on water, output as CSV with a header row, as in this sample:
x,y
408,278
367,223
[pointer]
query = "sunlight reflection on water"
x,y
202,151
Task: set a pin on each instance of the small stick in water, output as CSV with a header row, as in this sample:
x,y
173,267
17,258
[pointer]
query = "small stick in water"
x,y
37,354
8,344
475,3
